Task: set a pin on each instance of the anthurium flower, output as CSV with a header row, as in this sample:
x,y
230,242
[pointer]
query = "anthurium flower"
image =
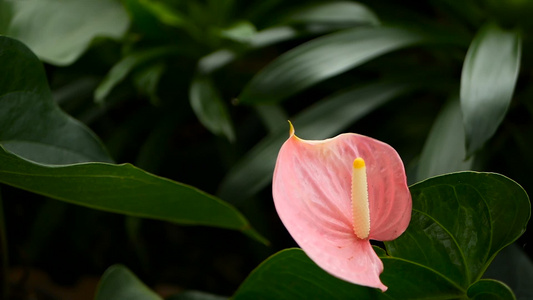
x,y
335,195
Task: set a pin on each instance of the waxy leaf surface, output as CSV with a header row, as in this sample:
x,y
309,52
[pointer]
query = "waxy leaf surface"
x,y
31,123
488,80
122,189
321,59
460,222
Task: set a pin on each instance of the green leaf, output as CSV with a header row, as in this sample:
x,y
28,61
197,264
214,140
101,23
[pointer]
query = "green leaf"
x,y
334,12
323,58
409,280
444,150
209,107
322,120
60,31
513,267
31,124
119,283
488,80
126,65
489,289
122,189
460,222
290,274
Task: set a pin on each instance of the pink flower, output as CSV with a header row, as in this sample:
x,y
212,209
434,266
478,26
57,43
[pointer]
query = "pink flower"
x,y
335,195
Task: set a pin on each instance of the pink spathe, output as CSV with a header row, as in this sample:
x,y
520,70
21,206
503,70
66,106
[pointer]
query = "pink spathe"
x,y
312,193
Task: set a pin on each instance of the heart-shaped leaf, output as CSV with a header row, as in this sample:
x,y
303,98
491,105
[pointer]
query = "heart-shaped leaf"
x,y
290,274
31,124
460,222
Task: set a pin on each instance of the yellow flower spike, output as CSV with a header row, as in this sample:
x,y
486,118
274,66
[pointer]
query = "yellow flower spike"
x,y
360,209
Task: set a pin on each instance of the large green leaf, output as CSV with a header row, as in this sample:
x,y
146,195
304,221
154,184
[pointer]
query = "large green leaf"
x,y
444,150
323,120
460,222
119,283
323,58
122,189
31,124
60,31
488,80
290,274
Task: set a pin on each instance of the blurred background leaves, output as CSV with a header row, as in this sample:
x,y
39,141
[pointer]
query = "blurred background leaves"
x,y
199,92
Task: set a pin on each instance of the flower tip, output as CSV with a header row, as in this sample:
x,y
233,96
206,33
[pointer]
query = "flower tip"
x,y
291,130
358,163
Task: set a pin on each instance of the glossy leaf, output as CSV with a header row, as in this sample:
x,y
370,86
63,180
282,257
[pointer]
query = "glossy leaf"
x,y
290,274
488,80
119,283
444,150
488,289
122,189
410,280
460,222
31,124
209,107
321,59
328,117
60,31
